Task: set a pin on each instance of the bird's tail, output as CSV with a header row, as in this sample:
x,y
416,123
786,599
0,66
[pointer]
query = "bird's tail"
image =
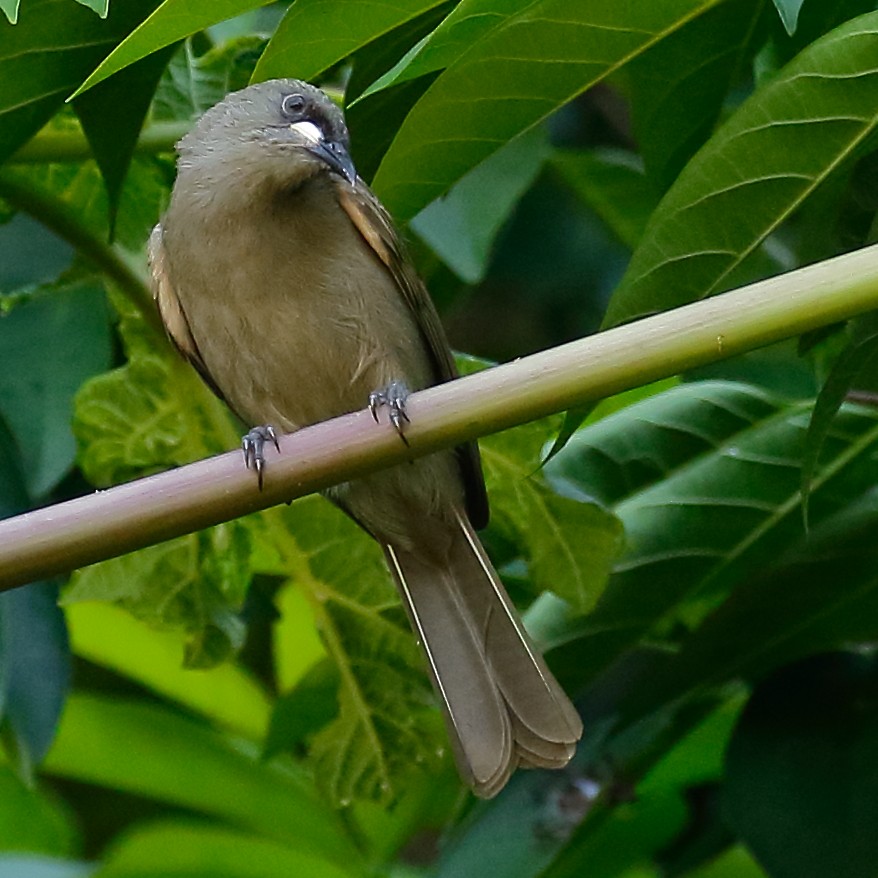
x,y
502,705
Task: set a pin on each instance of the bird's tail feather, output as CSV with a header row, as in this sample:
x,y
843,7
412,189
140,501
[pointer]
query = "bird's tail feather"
x,y
502,705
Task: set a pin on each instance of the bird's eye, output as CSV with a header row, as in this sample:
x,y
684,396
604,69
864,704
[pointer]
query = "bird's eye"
x,y
293,105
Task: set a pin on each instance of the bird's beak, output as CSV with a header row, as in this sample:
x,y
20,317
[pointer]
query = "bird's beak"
x,y
332,152
337,157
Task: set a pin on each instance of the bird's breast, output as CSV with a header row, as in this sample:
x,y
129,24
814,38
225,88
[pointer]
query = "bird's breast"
x,y
295,317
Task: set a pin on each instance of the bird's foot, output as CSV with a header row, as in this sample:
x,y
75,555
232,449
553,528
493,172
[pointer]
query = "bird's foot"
x,y
252,445
393,397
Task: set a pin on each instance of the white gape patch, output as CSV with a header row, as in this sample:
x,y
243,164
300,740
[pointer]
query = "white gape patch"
x,y
309,131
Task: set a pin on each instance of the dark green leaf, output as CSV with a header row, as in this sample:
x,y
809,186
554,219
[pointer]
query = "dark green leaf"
x,y
613,185
794,608
32,820
35,656
310,705
705,479
857,356
315,34
47,54
56,340
462,226
569,543
374,121
112,115
802,769
193,83
677,88
508,81
782,143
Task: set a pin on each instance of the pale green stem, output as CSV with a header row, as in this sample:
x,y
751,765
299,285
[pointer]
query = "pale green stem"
x,y
79,532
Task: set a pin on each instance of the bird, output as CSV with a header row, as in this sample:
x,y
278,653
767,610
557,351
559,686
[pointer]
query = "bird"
x,y
281,278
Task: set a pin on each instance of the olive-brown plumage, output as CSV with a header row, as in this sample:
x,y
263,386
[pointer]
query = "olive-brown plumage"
x,y
280,277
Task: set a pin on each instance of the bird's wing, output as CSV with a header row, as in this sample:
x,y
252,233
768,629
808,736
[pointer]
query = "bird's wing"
x,y
375,225
171,311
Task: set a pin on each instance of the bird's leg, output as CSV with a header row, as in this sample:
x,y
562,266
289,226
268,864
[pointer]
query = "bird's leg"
x,y
252,445
393,397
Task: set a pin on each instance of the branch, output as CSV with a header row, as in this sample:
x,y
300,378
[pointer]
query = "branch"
x,y
71,145
120,267
109,523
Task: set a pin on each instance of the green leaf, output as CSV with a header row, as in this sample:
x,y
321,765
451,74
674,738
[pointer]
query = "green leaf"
x,y
172,20
191,850
677,88
45,56
381,54
312,704
737,862
569,544
151,414
469,21
57,339
802,769
508,81
817,114
31,819
858,356
779,629
315,34
705,479
150,751
195,583
383,729
192,83
112,115
35,656
461,227
789,13
612,183
110,637
296,641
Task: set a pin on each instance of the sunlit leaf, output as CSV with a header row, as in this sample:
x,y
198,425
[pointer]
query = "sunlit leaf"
x,y
112,638
176,849
154,752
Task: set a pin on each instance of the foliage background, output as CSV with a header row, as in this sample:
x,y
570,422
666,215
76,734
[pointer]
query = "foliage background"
x,y
248,701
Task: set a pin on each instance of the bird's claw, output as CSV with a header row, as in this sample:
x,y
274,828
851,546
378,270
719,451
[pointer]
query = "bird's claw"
x,y
252,445
393,398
